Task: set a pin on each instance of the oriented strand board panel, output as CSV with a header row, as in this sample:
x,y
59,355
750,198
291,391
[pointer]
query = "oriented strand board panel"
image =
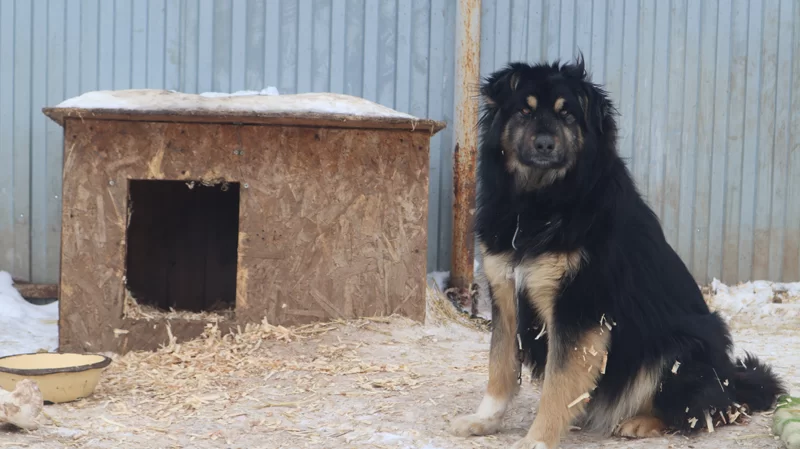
x,y
332,220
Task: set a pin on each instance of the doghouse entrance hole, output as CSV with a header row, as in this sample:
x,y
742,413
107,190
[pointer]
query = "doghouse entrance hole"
x,y
182,242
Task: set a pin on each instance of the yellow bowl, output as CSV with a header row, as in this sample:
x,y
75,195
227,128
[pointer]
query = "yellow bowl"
x,y
61,377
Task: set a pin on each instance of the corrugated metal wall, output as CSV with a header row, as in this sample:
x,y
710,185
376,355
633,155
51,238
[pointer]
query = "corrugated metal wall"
x,y
709,122
61,48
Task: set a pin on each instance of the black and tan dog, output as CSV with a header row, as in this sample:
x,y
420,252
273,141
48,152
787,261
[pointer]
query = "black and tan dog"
x,y
586,291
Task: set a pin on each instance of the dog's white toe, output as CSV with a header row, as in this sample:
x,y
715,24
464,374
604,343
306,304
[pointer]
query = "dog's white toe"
x,y
469,425
525,443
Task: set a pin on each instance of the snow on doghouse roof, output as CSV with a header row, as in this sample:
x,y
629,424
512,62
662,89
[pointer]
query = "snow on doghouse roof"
x,y
263,107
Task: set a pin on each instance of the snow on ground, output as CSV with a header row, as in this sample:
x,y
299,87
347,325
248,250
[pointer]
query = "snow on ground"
x,y
267,101
372,383
438,280
756,303
379,384
25,327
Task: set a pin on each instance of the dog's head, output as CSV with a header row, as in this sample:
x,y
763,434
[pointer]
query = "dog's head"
x,y
543,116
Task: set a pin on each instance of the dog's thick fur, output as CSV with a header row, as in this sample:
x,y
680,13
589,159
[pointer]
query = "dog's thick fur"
x,y
577,264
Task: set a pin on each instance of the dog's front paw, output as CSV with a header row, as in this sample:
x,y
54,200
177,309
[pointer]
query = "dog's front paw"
x,y
469,425
527,443
641,427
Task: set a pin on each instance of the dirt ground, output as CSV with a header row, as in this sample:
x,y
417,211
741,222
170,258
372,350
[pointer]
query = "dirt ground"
x,y
381,383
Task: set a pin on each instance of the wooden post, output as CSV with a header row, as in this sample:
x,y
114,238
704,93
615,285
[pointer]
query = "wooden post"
x,y
468,32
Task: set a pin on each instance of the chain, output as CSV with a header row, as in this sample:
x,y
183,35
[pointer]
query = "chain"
x,y
520,352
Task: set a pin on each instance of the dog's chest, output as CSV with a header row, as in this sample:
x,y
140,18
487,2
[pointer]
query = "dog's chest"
x,y
533,237
539,280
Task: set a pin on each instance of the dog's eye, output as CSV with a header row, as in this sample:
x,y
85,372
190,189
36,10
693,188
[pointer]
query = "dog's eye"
x,y
525,111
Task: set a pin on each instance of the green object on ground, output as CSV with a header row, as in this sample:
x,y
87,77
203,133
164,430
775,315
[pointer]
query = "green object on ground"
x,y
786,421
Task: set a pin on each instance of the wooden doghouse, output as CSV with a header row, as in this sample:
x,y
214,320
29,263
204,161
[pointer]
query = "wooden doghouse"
x,y
182,209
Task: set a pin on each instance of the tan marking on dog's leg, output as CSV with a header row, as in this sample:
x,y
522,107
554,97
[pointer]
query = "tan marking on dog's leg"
x,y
504,366
568,384
532,102
570,374
641,426
559,105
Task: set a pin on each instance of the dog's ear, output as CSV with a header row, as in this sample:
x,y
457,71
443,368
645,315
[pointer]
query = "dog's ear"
x,y
498,87
594,100
596,107
576,71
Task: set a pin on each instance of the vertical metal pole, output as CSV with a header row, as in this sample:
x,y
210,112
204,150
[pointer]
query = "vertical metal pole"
x,y
468,34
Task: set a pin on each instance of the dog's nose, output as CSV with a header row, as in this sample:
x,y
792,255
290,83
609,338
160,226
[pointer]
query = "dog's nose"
x,y
544,144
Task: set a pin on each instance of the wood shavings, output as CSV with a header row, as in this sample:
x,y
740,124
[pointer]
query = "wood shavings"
x,y
580,398
605,362
541,332
133,310
113,423
393,384
290,404
692,422
717,377
675,367
607,323
187,377
440,310
709,423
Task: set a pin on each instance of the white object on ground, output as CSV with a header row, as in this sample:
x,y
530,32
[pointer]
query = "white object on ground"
x,y
25,327
757,302
438,280
267,101
22,406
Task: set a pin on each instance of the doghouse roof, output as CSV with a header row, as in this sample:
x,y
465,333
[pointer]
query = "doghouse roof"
x,y
311,109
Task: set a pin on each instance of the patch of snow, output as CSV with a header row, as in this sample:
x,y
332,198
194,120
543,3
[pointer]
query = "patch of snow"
x,y
68,433
384,437
266,101
438,280
25,327
271,90
756,302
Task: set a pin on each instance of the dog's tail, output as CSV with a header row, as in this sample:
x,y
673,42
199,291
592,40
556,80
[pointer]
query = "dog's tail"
x,y
756,384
